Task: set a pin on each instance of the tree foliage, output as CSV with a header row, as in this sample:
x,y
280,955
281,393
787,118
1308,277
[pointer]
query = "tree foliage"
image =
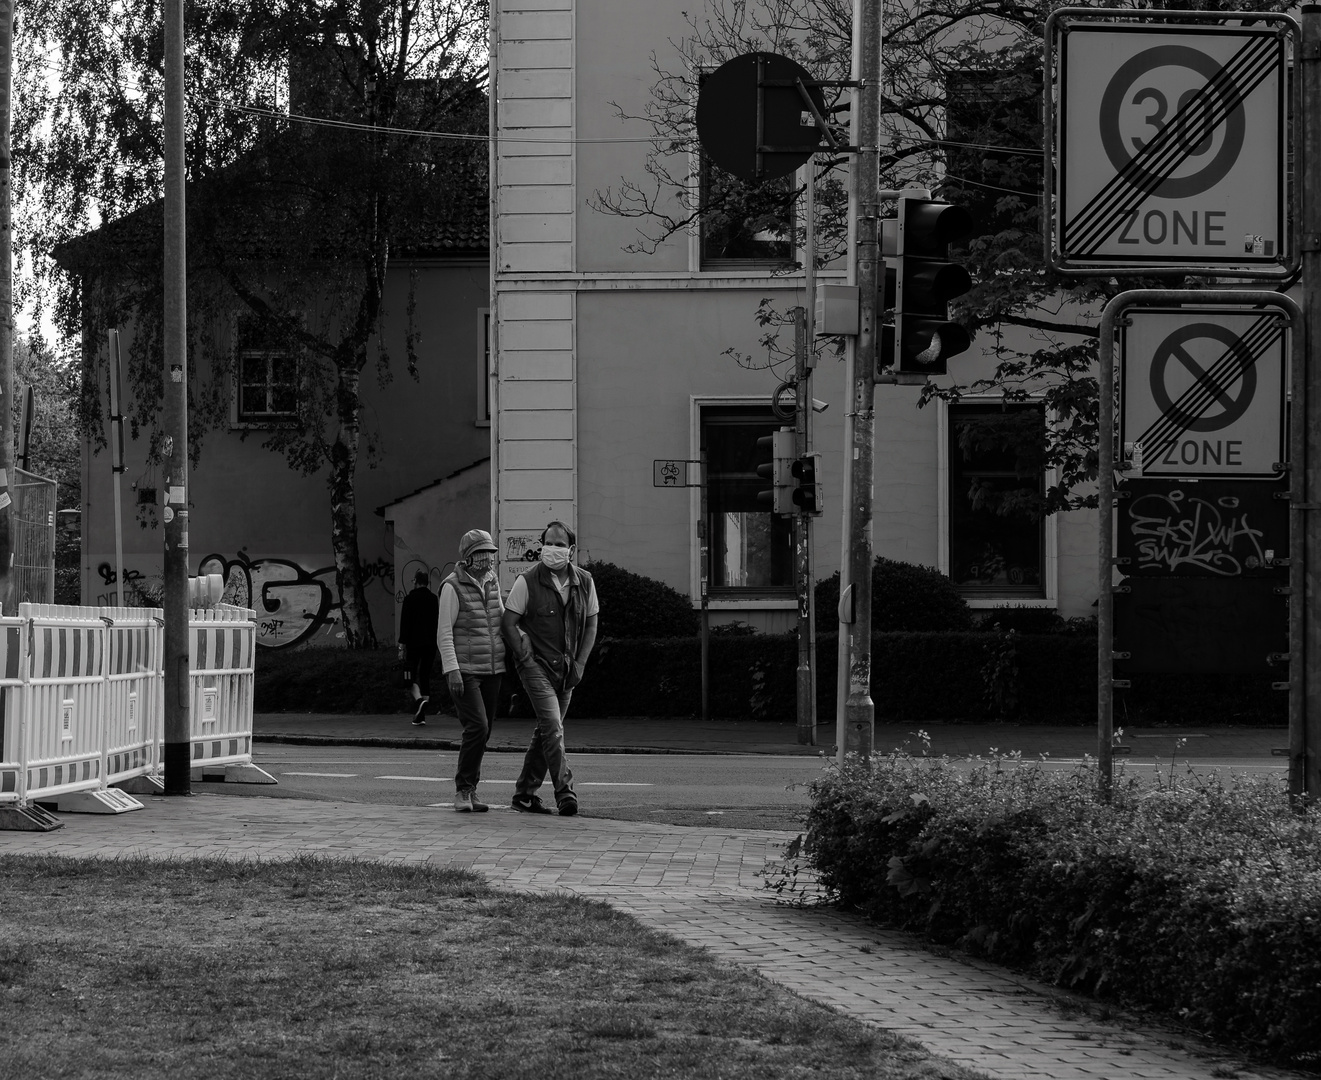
x,y
312,162
961,115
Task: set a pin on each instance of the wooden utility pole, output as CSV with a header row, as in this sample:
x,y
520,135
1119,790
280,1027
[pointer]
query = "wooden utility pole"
x,y
175,443
6,309
864,206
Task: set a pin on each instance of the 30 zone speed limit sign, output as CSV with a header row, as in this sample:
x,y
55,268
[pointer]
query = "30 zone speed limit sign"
x,y
1168,146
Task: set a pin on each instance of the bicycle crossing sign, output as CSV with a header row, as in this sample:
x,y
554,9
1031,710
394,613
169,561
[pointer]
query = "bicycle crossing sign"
x,y
1167,147
1202,392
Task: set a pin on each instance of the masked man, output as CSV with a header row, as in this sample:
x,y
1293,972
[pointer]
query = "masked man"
x,y
550,628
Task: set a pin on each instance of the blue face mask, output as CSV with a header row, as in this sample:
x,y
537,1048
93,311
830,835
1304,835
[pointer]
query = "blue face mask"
x,y
554,556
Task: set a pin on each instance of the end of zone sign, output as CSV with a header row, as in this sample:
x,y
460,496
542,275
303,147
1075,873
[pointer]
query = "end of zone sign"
x,y
1168,144
1202,392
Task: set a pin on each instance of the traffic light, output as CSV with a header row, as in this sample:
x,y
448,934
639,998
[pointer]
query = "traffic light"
x,y
807,493
780,445
919,283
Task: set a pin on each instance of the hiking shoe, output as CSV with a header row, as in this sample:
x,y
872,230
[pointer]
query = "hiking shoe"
x,y
568,806
419,716
463,802
479,807
530,804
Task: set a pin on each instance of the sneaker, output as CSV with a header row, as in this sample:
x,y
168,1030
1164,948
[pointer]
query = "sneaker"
x,y
463,802
530,804
479,807
419,716
568,806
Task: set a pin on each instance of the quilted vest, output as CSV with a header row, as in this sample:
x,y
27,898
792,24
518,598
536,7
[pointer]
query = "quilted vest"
x,y
478,643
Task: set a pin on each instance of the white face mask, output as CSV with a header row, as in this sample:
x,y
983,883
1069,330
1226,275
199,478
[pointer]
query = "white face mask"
x,y
554,557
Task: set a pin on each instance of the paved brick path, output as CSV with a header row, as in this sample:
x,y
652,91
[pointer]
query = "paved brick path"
x,y
701,885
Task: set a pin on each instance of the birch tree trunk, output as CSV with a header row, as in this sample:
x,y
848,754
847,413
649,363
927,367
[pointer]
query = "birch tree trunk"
x,y
6,311
358,631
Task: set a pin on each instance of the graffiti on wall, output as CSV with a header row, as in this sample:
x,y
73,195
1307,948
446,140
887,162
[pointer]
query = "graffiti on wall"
x,y
139,591
292,603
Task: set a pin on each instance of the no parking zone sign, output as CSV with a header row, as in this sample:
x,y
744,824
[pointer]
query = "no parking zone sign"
x,y
1202,392
1167,147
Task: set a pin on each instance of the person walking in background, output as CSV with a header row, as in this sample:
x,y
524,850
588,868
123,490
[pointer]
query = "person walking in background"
x,y
417,642
550,628
472,656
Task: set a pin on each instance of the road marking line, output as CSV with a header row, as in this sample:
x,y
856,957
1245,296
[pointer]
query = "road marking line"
x,y
450,806
608,783
332,775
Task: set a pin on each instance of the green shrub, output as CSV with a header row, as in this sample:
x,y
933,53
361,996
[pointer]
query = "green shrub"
x,y
1198,898
633,606
904,597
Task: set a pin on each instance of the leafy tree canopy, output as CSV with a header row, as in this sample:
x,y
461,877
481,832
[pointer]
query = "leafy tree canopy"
x,y
313,159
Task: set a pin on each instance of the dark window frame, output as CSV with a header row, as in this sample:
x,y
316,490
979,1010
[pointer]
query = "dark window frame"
x,y
278,389
1000,568
730,487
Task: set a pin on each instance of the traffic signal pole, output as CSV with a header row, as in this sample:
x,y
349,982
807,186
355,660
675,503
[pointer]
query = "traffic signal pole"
x,y
865,211
806,683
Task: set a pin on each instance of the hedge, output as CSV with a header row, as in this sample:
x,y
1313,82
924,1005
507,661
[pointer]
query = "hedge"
x,y
972,676
1198,898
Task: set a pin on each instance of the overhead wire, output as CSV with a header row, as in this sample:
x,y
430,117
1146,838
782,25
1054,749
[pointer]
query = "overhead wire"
x,y
416,133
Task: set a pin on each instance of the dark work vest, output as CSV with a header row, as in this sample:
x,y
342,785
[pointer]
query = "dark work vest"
x,y
555,628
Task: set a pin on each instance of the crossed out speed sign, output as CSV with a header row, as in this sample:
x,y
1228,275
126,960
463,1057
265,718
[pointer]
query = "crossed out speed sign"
x,y
1169,145
1202,392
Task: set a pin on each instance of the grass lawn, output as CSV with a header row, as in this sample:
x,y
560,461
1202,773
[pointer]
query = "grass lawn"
x,y
321,968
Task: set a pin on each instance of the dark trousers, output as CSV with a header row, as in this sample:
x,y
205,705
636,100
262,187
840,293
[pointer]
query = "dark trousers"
x,y
418,660
481,694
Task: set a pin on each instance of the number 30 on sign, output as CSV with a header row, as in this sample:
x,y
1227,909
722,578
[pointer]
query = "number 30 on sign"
x,y
1168,142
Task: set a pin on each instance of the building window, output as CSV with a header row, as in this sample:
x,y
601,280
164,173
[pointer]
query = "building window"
x,y
996,533
749,550
483,367
746,224
265,377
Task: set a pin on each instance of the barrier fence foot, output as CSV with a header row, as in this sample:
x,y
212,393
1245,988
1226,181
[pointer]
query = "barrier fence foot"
x,y
151,784
233,774
103,801
30,818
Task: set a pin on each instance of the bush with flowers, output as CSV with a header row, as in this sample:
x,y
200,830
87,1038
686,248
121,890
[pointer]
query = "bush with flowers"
x,y
1195,895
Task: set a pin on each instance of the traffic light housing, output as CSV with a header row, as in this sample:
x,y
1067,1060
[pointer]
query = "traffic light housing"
x,y
779,445
807,491
919,283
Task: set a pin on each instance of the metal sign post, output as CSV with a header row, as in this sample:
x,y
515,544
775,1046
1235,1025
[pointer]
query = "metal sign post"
x,y
1168,142
1215,358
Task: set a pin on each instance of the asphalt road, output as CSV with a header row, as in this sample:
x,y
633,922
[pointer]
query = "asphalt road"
x,y
742,790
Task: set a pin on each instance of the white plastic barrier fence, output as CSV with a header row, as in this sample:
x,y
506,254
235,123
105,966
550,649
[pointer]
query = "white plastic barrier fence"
x,y
65,735
222,644
82,705
13,663
135,706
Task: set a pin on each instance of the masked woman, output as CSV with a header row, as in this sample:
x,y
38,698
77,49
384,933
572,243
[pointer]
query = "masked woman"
x,y
472,655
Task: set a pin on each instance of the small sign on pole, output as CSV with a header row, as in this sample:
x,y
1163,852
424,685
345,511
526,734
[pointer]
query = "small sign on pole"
x,y
673,473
